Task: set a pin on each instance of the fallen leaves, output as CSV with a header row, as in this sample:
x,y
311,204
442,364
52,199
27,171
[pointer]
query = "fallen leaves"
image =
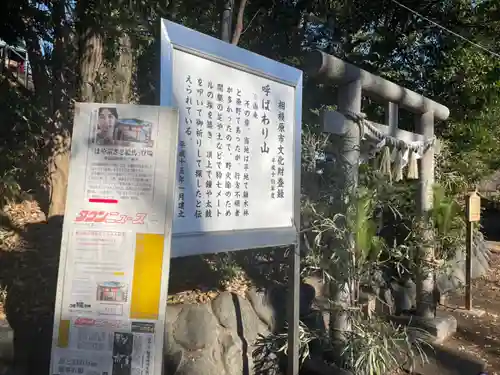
x,y
480,335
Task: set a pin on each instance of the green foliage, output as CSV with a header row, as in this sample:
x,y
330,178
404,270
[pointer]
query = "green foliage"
x,y
10,190
357,227
277,343
387,40
368,245
449,225
3,295
473,77
21,141
225,266
473,146
347,250
373,347
377,347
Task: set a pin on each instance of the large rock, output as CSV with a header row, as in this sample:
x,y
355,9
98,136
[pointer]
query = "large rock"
x,y
454,277
195,328
217,338
6,341
399,296
450,278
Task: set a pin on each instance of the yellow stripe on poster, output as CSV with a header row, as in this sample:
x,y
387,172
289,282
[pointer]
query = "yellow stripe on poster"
x,y
63,339
146,283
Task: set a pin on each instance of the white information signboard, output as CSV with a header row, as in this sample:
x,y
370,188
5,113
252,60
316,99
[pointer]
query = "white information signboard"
x,y
238,171
114,264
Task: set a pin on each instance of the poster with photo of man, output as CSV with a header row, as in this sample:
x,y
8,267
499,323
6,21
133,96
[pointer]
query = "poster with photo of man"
x,y
122,353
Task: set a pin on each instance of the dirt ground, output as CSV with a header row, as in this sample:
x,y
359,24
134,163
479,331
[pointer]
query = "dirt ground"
x,y
480,335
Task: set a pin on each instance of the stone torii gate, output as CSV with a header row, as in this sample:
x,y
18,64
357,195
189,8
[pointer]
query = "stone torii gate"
x,y
353,82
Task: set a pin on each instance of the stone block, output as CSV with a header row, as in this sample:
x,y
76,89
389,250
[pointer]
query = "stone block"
x,y
262,305
368,303
216,338
472,312
196,327
203,364
236,314
445,361
404,295
6,343
438,328
318,367
384,305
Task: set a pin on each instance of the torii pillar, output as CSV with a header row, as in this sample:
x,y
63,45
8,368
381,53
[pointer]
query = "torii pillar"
x,y
353,82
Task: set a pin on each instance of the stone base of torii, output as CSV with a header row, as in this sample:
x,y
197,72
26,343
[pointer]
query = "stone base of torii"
x,y
354,82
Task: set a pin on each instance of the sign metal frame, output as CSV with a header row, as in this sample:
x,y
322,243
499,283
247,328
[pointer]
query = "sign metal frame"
x,y
177,37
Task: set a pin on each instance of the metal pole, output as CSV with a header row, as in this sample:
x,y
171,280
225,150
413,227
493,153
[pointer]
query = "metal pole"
x,y
227,20
294,279
468,265
425,283
294,309
473,213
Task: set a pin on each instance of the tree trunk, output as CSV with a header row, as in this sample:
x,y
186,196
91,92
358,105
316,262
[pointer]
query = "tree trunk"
x,y
118,88
124,71
58,163
238,30
37,63
58,173
226,21
91,61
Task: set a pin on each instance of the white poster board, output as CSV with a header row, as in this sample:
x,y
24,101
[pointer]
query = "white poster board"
x,y
238,172
115,252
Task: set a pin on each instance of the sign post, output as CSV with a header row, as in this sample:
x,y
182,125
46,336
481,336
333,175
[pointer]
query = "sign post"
x,y
239,152
114,265
473,212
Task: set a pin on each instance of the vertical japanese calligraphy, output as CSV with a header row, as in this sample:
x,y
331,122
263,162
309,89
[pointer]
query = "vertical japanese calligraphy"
x,y
200,127
181,160
280,157
236,134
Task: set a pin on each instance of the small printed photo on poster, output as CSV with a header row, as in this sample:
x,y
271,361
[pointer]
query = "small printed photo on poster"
x,y
143,327
111,129
123,344
111,291
107,118
133,130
